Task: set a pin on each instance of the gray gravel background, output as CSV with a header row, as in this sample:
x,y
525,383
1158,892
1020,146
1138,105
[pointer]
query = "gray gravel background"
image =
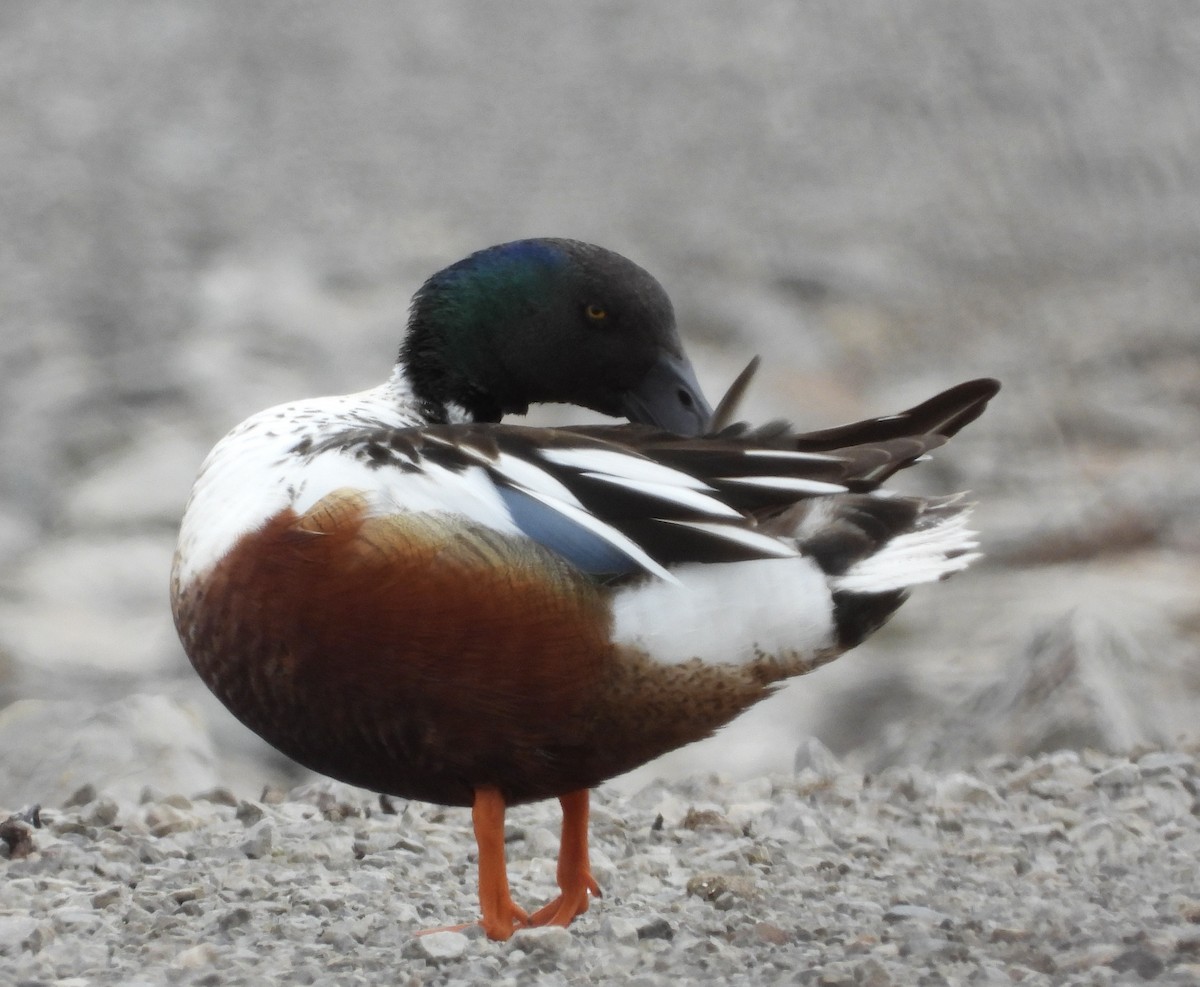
x,y
1065,869
207,209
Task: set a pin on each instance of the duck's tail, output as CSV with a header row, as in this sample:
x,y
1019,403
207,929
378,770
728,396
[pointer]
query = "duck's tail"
x,y
872,548
859,556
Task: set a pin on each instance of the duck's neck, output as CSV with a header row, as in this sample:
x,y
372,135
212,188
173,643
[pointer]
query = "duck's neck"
x,y
400,387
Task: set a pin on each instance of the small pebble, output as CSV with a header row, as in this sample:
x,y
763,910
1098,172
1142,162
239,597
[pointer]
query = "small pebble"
x,y
258,840
619,930
248,813
14,931
101,812
1123,774
817,758
1163,762
919,913
961,788
197,957
656,928
549,939
440,947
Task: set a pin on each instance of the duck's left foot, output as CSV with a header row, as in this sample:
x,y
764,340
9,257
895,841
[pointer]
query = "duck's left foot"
x,y
574,873
572,903
500,922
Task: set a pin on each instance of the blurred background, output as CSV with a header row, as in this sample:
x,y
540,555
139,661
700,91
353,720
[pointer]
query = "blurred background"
x,y
209,209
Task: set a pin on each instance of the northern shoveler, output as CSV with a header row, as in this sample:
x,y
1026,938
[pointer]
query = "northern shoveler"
x,y
395,590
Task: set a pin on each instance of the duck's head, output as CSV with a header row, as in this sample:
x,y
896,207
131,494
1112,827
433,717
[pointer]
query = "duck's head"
x,y
551,321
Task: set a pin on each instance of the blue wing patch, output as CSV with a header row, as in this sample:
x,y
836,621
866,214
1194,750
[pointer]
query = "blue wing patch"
x,y
582,548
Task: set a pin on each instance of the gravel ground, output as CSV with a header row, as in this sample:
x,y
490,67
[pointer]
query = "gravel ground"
x,y
1064,869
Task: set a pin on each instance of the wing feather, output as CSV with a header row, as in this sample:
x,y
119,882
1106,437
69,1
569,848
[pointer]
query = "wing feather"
x,y
624,499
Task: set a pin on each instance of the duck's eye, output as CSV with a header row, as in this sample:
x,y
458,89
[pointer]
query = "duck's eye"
x,y
597,313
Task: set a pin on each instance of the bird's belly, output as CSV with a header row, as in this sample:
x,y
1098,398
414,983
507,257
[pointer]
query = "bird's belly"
x,y
416,657
408,655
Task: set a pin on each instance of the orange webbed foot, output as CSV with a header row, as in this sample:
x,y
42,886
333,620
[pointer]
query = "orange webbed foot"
x,y
574,872
500,924
568,906
504,921
501,917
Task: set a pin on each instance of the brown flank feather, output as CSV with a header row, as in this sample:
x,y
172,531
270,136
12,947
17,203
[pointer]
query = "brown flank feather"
x,y
420,657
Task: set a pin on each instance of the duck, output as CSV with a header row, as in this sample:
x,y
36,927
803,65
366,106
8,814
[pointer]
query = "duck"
x,y
399,590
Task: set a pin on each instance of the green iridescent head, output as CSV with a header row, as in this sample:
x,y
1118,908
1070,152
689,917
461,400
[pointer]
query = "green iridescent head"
x,y
551,321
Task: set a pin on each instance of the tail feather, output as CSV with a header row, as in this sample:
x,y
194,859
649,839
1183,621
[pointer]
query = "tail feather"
x,y
939,543
858,549
874,548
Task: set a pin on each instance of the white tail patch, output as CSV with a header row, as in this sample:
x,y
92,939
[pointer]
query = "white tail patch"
x,y
728,613
925,555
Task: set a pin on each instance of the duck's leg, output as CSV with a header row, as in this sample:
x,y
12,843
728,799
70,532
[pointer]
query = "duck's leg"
x,y
574,873
501,917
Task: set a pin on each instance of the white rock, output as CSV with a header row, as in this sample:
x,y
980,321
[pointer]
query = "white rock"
x,y
961,788
672,809
541,842
73,920
1167,804
1163,762
439,947
742,814
752,790
619,930
61,638
908,783
1120,775
918,913
1029,772
814,755
197,957
14,930
129,574
549,939
259,839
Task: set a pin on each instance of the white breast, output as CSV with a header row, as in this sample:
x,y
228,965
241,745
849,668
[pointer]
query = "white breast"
x,y
252,474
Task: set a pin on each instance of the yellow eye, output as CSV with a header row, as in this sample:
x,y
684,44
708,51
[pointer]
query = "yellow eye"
x,y
596,313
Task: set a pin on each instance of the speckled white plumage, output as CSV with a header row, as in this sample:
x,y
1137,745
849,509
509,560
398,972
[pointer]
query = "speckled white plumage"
x,y
260,469
253,473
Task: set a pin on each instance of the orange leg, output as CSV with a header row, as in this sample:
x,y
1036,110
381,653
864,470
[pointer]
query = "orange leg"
x,y
501,917
574,873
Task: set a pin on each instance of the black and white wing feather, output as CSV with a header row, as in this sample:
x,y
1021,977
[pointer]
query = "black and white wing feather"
x,y
625,499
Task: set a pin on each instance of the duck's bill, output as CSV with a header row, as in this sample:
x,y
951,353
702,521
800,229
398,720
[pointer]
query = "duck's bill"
x,y
669,397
